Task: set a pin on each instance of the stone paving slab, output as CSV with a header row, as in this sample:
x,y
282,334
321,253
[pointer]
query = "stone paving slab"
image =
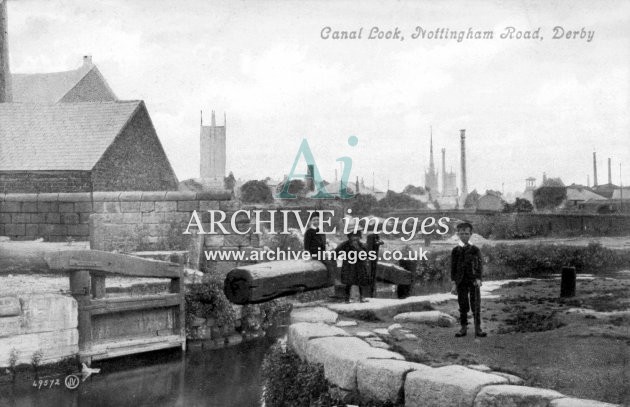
x,y
571,402
517,396
383,380
315,314
452,385
512,379
438,318
300,333
340,357
385,308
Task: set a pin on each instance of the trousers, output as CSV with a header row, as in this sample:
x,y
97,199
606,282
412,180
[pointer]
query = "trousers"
x,y
469,298
364,291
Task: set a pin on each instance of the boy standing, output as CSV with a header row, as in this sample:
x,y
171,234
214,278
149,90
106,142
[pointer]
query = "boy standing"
x,y
466,269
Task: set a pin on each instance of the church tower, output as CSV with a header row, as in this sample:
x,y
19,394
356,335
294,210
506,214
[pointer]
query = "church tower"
x,y
212,146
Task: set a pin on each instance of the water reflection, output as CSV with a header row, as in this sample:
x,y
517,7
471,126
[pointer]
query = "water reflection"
x,y
223,378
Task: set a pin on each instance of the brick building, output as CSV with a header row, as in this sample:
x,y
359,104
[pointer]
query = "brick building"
x,y
81,147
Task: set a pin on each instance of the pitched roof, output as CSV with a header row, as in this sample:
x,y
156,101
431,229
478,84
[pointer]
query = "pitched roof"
x,y
581,194
61,136
51,87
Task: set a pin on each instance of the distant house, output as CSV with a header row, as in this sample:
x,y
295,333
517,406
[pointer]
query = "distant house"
x,y
578,194
85,84
490,202
81,147
605,190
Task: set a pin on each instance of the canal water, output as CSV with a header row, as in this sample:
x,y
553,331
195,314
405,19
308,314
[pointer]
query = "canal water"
x,y
228,377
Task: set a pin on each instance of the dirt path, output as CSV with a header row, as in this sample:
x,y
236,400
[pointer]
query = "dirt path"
x,y
532,334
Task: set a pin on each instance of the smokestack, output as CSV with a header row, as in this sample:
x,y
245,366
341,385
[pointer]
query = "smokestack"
x,y
6,94
462,136
609,172
310,177
443,171
594,169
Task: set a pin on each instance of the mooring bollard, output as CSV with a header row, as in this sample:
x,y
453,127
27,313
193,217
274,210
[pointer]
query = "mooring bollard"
x,y
567,283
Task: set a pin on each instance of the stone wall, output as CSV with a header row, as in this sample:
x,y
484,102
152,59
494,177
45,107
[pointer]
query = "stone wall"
x,y
45,323
140,218
532,224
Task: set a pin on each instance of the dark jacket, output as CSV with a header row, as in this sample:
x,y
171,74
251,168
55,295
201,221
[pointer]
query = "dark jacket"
x,y
357,273
466,262
314,242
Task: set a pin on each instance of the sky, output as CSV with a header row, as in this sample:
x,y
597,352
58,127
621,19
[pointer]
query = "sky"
x,y
528,105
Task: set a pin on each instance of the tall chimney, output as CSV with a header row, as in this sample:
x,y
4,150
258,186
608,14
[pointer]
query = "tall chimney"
x,y
594,169
609,172
6,94
443,171
462,136
310,177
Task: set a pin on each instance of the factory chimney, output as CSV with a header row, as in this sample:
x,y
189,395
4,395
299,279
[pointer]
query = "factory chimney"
x,y
594,169
443,171
609,172
6,94
462,135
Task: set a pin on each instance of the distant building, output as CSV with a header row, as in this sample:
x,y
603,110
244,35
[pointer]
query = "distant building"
x,y
578,194
530,187
84,84
375,192
620,193
81,147
67,132
490,202
213,152
605,190
449,179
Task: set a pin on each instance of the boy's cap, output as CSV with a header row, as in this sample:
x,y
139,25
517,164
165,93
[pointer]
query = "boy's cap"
x,y
357,233
464,225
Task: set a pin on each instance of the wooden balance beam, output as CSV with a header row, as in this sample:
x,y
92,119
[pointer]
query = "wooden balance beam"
x,y
263,282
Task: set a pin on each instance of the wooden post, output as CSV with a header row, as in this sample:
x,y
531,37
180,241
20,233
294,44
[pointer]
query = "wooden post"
x,y
179,313
373,244
567,283
80,287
